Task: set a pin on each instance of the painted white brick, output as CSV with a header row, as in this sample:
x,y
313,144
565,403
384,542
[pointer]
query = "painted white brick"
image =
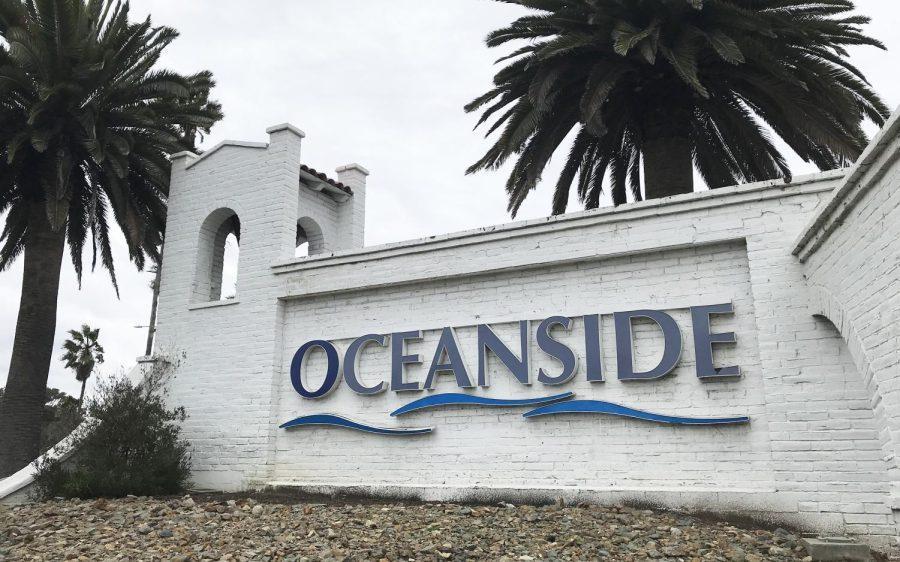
x,y
823,395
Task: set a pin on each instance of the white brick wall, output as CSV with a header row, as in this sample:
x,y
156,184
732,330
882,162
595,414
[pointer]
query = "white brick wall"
x,y
852,258
815,453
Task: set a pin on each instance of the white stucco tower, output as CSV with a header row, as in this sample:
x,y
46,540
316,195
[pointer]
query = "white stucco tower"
x,y
272,203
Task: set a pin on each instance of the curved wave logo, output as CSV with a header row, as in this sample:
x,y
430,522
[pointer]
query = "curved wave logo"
x,y
553,405
332,420
460,399
609,408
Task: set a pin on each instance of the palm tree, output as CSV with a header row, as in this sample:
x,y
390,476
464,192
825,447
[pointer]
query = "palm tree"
x,y
674,84
82,353
154,304
87,122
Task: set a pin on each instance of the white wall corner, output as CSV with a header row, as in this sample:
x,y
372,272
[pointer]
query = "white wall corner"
x,y
285,127
352,167
185,157
353,212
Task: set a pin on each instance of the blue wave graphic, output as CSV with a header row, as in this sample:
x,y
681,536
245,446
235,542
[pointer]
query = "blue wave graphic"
x,y
458,398
601,407
338,421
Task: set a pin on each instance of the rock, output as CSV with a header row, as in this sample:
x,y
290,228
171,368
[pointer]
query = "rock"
x,y
193,528
836,548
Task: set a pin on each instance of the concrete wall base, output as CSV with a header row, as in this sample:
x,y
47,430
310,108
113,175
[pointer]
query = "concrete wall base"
x,y
766,508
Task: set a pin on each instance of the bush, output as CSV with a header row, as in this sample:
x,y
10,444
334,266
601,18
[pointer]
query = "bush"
x,y
131,445
62,414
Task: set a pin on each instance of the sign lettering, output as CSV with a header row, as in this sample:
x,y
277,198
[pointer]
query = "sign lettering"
x,y
448,357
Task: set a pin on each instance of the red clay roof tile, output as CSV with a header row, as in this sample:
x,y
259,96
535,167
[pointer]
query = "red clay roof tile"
x,y
312,171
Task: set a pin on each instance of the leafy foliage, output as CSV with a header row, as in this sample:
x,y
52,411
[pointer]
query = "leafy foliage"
x,y
621,74
62,414
87,122
133,445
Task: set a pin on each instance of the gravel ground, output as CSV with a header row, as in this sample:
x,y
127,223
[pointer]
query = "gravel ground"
x,y
218,528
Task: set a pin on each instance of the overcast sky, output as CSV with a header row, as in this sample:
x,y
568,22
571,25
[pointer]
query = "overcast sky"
x,y
381,83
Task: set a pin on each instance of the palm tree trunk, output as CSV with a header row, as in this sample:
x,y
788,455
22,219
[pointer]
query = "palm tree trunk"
x,y
81,396
22,406
666,149
668,167
151,328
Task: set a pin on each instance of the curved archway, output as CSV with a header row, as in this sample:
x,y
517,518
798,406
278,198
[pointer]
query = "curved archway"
x,y
825,306
310,240
221,229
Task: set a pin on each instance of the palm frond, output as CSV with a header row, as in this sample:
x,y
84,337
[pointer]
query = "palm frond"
x,y
87,122
719,76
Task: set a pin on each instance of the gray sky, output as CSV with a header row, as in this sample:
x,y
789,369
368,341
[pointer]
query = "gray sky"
x,y
381,83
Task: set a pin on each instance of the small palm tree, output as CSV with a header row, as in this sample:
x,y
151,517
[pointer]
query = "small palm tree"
x,y
87,122
675,84
82,353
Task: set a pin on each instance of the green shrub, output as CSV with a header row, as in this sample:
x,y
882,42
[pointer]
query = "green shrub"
x,y
62,414
131,445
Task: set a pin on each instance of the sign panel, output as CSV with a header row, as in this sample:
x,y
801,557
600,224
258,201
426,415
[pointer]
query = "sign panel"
x,y
447,361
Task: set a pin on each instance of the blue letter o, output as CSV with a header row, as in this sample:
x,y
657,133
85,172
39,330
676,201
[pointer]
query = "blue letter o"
x,y
331,377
